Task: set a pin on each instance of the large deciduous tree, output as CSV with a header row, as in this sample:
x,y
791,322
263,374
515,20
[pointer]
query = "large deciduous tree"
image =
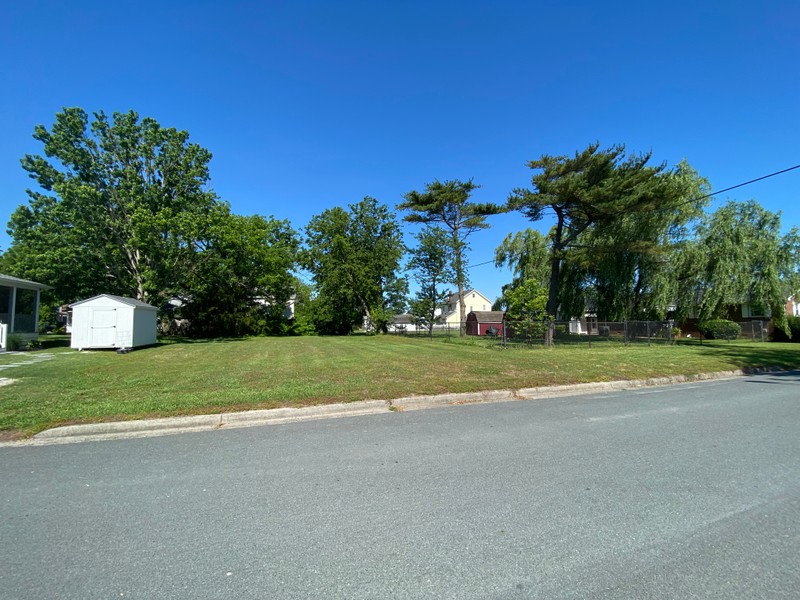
x,y
526,254
739,256
431,266
242,281
447,204
354,257
607,207
120,206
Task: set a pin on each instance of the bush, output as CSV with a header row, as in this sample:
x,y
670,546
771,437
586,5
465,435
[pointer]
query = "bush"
x,y
794,328
14,342
720,329
562,332
793,325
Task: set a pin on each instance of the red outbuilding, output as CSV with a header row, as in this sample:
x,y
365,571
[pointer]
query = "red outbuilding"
x,y
486,322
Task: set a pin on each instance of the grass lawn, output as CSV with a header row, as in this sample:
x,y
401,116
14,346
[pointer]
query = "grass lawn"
x,y
227,375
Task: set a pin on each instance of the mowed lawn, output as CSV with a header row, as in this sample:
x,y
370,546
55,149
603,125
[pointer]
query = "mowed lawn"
x,y
227,375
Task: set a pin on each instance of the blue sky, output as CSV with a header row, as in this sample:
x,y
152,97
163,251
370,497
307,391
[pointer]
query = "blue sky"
x,y
310,105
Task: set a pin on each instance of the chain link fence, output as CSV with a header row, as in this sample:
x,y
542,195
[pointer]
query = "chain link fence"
x,y
589,331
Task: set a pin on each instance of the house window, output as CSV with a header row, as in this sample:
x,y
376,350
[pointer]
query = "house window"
x,y
754,310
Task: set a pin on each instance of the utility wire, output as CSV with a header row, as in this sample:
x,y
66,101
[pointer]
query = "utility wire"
x,y
733,187
728,189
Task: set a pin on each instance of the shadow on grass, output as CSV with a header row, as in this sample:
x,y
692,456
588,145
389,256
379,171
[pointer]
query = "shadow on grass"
x,y
50,341
170,340
755,355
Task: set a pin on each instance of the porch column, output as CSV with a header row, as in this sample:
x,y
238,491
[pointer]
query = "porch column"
x,y
12,308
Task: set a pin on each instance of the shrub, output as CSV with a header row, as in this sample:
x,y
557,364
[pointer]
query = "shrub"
x,y
720,329
793,333
794,328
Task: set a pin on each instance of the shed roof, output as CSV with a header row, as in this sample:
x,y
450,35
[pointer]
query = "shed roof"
x,y
403,319
488,316
129,301
22,283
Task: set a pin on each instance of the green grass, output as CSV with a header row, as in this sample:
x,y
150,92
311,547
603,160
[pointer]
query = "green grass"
x,y
228,375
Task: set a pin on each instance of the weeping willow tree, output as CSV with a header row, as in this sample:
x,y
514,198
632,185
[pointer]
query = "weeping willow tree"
x,y
739,256
525,253
619,223
629,268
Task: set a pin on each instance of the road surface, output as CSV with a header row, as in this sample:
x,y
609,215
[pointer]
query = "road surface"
x,y
675,492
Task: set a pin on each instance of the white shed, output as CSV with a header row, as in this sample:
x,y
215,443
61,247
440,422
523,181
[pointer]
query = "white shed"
x,y
107,321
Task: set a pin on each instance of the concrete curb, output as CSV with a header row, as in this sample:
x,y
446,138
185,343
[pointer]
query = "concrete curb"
x,y
171,425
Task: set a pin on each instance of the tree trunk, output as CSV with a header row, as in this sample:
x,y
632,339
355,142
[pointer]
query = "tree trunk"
x,y
462,308
555,268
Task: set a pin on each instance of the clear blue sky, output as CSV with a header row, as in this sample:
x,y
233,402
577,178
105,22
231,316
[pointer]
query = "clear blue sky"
x,y
309,105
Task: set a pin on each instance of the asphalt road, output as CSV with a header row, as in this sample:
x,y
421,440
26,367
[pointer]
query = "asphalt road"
x,y
690,491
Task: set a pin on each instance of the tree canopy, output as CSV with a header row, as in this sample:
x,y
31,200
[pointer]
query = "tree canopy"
x,y
123,203
737,257
354,257
123,207
447,204
431,266
613,215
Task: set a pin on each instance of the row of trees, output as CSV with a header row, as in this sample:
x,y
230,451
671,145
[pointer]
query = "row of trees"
x,y
632,241
124,207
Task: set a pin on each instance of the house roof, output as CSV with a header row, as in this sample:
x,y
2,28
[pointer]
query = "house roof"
x,y
129,301
404,319
22,283
453,296
488,316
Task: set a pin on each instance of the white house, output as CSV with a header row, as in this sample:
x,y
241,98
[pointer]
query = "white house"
x,y
404,323
107,321
19,309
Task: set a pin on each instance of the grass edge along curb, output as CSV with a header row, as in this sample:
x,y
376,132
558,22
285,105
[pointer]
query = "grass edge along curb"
x,y
234,420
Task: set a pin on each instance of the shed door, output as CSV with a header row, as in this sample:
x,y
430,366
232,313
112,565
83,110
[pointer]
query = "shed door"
x,y
104,327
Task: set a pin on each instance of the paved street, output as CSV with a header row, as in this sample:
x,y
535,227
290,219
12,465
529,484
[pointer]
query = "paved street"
x,y
687,491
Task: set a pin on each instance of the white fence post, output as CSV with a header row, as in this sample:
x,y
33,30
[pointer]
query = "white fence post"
x,y
3,332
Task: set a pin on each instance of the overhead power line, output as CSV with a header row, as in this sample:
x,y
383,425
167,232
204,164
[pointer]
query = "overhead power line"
x,y
714,193
733,187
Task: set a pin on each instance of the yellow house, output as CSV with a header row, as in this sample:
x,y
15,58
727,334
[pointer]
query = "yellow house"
x,y
473,300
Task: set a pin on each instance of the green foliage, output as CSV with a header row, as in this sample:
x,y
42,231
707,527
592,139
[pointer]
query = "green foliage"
x,y
14,342
353,258
242,281
122,203
448,205
431,265
738,256
526,302
526,254
793,325
124,209
613,214
721,329
527,314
